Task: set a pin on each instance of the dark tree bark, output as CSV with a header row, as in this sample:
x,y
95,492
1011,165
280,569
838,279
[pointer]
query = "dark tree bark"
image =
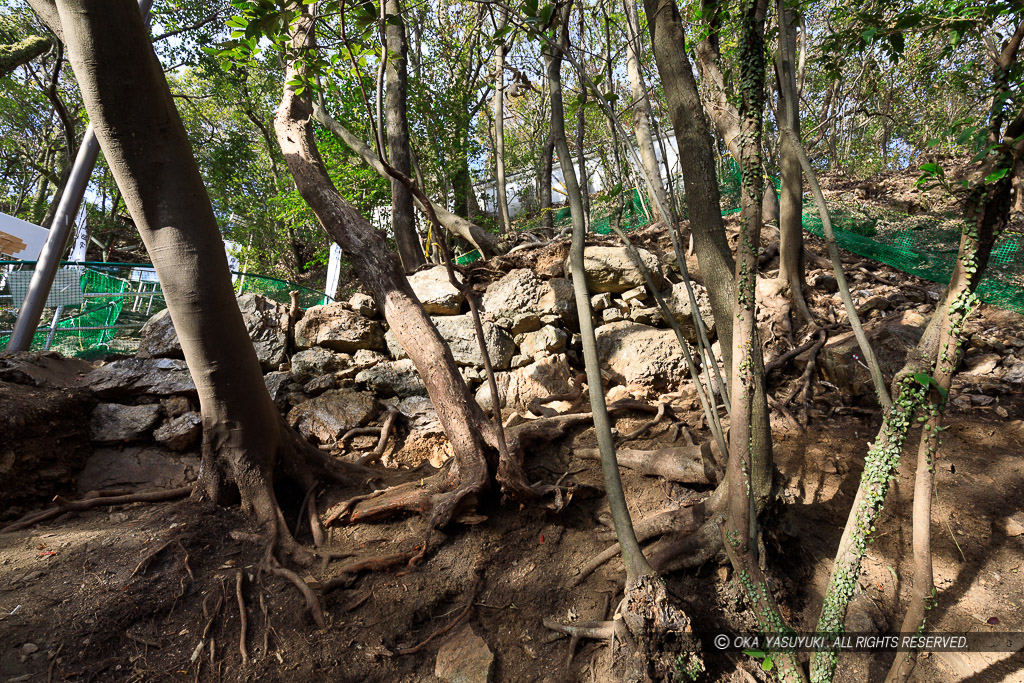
x,y
403,222
150,157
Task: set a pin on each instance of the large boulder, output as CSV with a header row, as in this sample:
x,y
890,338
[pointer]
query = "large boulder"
x,y
547,377
318,361
522,302
678,300
332,413
610,269
136,376
891,338
460,334
392,378
334,326
137,467
265,320
112,423
437,294
644,359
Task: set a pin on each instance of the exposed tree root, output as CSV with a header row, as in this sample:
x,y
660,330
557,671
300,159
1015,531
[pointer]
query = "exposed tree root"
x,y
385,432
595,630
312,602
477,585
781,407
682,520
348,572
662,410
243,619
64,505
685,464
780,362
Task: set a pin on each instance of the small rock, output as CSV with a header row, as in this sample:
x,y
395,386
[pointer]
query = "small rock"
x,y
436,292
611,315
393,378
982,364
318,361
175,405
611,269
825,282
637,294
520,361
459,332
319,385
363,304
872,303
548,376
134,376
464,658
335,327
29,649
601,301
180,433
646,316
1014,524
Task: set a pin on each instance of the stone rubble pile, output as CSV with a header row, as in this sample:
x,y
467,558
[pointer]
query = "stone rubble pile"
x,y
338,367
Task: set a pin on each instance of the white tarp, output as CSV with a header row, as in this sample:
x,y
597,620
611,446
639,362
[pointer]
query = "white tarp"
x,y
20,239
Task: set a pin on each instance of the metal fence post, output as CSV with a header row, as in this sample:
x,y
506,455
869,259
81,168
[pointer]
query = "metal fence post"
x,y
49,258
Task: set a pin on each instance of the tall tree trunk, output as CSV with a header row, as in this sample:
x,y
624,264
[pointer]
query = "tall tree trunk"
x,y
499,122
791,231
403,222
150,157
547,162
642,107
476,463
702,202
718,104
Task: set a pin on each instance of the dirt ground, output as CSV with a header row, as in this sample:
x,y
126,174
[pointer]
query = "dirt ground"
x,y
128,593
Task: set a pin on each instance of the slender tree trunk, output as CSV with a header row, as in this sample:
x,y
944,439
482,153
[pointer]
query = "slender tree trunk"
x,y
147,149
499,123
403,221
547,162
702,203
791,234
642,107
476,460
636,563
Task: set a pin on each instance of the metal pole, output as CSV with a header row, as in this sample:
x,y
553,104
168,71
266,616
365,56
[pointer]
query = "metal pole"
x,y
49,258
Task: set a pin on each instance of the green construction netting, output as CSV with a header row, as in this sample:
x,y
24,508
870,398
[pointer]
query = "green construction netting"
x,y
115,300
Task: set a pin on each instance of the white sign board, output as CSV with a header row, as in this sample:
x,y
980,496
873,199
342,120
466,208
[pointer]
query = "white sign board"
x,y
20,239
333,271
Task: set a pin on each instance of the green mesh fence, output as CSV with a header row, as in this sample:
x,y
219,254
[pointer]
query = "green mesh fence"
x,y
99,308
923,245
